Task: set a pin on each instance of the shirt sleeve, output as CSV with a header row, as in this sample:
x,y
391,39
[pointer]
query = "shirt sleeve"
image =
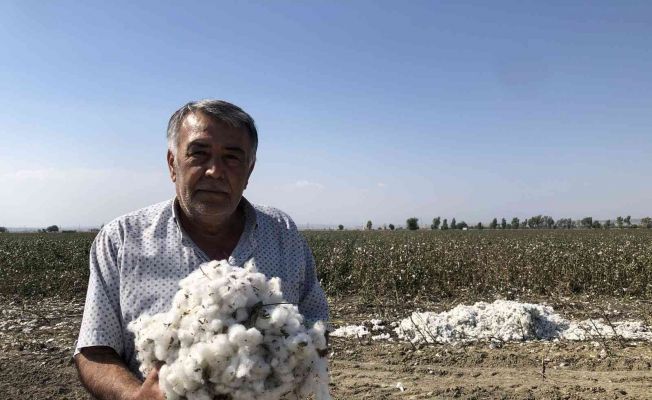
x,y
313,304
101,324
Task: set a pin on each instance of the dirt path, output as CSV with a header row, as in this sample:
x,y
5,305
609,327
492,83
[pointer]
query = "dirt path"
x,y
36,342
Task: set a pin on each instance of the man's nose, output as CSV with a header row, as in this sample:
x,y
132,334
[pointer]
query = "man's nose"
x,y
215,168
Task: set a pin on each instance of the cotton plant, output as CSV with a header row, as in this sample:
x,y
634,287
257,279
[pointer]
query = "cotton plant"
x,y
229,332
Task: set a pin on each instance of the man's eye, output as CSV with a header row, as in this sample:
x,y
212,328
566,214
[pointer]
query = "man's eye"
x,y
197,153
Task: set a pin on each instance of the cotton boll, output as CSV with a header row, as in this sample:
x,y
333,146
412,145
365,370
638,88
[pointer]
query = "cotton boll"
x,y
186,337
193,374
318,335
226,334
237,334
166,383
278,316
254,337
245,366
221,345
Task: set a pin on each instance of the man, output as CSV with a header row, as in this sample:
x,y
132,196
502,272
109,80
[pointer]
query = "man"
x,y
137,260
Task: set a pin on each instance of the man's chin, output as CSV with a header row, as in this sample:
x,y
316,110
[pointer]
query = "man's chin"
x,y
212,207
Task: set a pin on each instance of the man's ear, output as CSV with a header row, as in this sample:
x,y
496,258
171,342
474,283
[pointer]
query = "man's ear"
x,y
173,172
251,169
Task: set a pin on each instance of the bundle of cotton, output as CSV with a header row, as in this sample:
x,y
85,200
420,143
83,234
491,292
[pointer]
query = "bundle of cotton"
x,y
502,319
230,332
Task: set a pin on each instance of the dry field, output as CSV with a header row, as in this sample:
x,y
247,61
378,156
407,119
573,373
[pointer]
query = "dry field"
x,y
386,275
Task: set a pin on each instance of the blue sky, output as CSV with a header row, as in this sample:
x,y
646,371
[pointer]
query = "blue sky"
x,y
366,110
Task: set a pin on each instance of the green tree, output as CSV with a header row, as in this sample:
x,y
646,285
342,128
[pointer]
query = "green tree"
x,y
3,229
340,227
607,224
444,225
369,225
596,224
619,221
646,222
453,224
494,223
548,222
587,222
479,226
52,228
435,223
391,227
628,221
515,223
503,223
564,223
462,225
412,223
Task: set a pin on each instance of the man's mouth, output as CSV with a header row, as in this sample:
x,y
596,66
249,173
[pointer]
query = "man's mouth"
x,y
213,191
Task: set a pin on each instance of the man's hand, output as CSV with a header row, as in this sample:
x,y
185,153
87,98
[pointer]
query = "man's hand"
x,y
150,390
105,375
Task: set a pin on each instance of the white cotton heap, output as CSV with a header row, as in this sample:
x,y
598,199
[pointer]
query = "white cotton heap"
x,y
510,321
230,332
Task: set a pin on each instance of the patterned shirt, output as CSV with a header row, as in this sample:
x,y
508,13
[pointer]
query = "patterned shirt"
x,y
137,261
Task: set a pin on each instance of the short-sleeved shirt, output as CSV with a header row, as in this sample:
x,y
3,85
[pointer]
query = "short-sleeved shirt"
x,y
137,261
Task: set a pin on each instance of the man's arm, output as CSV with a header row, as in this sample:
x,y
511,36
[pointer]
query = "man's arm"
x,y
106,377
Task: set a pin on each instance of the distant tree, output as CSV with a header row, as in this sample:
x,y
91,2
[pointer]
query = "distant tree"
x,y
462,225
535,222
380,228
596,224
52,228
619,221
391,227
524,223
369,225
412,223
444,225
515,223
435,223
548,222
564,223
607,224
479,226
453,224
503,223
587,222
494,223
646,222
628,220
340,227
3,229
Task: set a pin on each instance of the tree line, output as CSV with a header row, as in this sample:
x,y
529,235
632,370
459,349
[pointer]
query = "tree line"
x,y
535,222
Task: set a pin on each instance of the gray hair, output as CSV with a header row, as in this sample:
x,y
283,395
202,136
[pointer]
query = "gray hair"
x,y
220,110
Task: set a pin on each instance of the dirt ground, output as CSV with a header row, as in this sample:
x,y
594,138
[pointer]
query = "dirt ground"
x,y
36,340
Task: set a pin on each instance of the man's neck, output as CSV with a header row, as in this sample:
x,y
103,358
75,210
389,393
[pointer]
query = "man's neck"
x,y
215,236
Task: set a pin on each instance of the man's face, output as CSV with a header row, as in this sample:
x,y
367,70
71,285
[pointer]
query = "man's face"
x,y
211,167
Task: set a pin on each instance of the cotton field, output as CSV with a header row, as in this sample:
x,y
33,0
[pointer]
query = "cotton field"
x,y
415,315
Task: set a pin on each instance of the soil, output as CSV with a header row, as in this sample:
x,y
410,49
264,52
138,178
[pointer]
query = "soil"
x,y
36,340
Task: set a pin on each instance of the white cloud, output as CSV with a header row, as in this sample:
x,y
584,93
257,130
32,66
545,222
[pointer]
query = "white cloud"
x,y
308,184
382,184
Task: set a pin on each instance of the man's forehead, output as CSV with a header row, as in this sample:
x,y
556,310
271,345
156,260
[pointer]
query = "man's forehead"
x,y
197,125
